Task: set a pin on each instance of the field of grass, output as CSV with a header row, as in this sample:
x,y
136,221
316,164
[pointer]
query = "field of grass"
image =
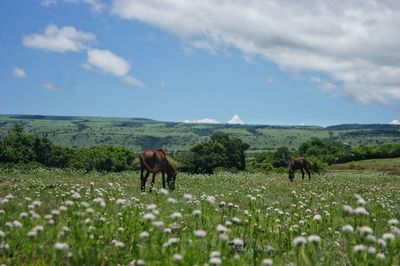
x,y
389,166
69,218
138,133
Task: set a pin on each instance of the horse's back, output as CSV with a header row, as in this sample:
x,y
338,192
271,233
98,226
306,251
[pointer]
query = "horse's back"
x,y
153,159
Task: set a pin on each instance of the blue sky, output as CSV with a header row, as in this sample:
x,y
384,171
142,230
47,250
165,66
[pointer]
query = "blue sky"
x,y
268,62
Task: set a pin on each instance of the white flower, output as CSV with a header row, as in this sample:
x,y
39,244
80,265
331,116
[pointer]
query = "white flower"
x,y
196,213
176,215
388,236
223,237
164,192
361,211
17,224
348,209
215,261
75,195
361,202
298,241
188,197
143,235
118,244
158,224
172,241
348,228
121,201
393,222
2,234
237,242
151,207
382,243
61,246
313,239
178,257
359,248
365,230
222,229
211,199
200,233
171,200
380,256
266,262
215,254
149,217
236,220
317,218
371,250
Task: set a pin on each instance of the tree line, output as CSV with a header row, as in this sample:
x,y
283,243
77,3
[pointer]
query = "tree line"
x,y
219,152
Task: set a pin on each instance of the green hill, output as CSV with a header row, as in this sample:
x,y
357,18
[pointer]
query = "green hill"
x,y
139,133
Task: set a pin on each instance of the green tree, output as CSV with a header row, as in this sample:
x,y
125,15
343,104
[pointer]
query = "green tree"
x,y
280,157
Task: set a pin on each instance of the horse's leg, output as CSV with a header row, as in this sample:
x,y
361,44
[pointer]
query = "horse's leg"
x,y
163,179
302,173
144,180
308,172
152,182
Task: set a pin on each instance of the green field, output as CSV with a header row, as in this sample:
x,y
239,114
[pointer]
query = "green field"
x,y
388,166
58,217
139,133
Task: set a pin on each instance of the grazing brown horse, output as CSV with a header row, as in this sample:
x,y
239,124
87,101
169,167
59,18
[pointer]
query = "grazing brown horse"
x,y
299,163
154,161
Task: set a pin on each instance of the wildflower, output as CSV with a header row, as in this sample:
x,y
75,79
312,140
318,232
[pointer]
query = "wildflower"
x,y
298,241
348,229
361,202
348,209
317,217
176,215
158,224
172,241
121,201
171,200
359,248
17,224
215,261
178,257
382,243
75,195
200,233
238,243
151,207
61,246
380,256
393,222
388,236
118,244
223,237
222,229
188,197
215,254
365,230
313,239
164,192
2,234
143,235
23,214
371,250
236,220
361,211
196,213
210,199
266,261
148,217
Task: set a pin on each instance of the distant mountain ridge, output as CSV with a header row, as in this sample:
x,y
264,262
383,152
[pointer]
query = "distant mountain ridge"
x,y
140,133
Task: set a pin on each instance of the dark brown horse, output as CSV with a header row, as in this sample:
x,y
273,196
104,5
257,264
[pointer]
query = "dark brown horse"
x,y
154,161
299,163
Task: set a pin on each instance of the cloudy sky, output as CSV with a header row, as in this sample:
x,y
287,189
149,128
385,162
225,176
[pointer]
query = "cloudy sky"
x,y
239,61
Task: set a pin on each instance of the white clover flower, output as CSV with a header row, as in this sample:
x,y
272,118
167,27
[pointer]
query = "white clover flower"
x,y
178,257
298,241
380,256
361,211
62,208
348,209
121,201
215,254
176,215
148,217
188,197
359,248
2,211
172,241
167,230
196,213
388,236
236,220
237,242
143,235
365,230
158,224
141,263
151,207
200,233
313,239
32,233
75,195
118,244
2,234
317,217
382,243
395,230
55,212
171,200
223,237
371,238
215,261
222,229
361,202
210,199
17,224
371,250
393,222
348,228
266,261
164,192
61,246
23,214
69,203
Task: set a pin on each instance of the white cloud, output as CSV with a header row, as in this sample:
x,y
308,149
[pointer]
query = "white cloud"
x,y
94,5
354,44
48,3
235,120
19,73
61,39
395,122
109,63
51,87
203,121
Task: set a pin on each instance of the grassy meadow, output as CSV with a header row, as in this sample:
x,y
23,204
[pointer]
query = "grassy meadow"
x,y
70,218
